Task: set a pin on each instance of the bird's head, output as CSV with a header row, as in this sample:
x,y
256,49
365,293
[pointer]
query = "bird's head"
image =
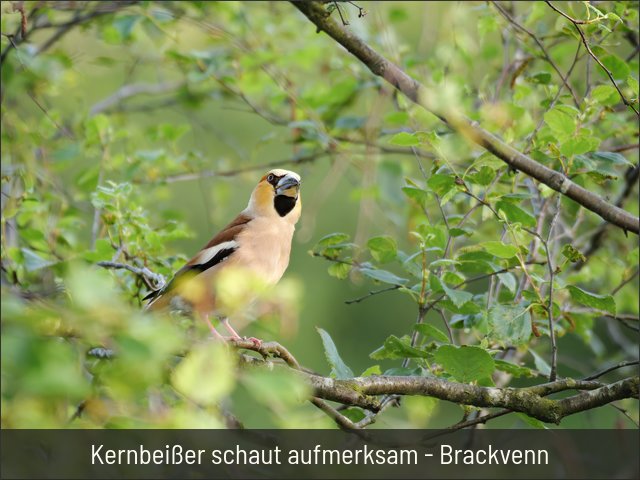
x,y
277,194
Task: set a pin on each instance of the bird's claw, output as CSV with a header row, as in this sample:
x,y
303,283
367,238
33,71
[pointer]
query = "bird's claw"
x,y
257,343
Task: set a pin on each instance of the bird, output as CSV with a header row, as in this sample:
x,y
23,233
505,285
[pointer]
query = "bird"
x,y
257,241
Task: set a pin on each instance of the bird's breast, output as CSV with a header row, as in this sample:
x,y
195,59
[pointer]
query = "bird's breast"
x,y
265,246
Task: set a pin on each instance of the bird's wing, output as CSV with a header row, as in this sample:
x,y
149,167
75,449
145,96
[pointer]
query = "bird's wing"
x,y
221,247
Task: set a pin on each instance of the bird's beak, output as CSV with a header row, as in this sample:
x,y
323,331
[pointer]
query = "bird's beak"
x,y
288,185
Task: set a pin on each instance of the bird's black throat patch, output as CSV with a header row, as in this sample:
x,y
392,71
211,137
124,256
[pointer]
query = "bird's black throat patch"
x,y
284,204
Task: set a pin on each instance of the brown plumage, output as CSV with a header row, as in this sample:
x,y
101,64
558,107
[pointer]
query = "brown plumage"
x,y
257,240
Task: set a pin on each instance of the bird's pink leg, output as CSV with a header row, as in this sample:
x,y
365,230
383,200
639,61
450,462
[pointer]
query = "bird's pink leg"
x,y
228,326
256,341
213,330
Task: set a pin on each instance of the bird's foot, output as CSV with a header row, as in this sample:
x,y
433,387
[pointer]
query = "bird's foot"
x,y
257,343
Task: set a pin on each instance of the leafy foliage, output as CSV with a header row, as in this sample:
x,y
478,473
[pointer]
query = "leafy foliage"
x,y
132,151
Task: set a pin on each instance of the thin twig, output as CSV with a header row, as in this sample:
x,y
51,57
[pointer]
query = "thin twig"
x,y
447,326
542,48
625,281
576,24
611,369
626,414
184,177
624,148
371,294
552,333
157,280
131,90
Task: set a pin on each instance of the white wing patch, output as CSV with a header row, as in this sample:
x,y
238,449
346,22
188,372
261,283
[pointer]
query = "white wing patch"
x,y
205,255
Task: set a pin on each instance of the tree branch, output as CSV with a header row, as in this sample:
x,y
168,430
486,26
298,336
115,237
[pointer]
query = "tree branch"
x,y
267,349
131,90
611,369
630,179
420,95
22,34
153,280
184,177
362,391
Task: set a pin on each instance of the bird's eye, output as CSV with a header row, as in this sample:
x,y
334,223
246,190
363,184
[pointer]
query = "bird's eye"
x,y
271,177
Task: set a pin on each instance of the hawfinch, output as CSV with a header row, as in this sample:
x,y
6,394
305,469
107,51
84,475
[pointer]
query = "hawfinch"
x,y
258,241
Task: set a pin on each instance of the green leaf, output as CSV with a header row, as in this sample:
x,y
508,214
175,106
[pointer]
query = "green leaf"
x,y
332,239
373,370
33,261
339,270
487,24
605,95
429,330
102,251
332,245
562,121
513,369
97,129
354,414
279,390
404,372
405,139
633,84
441,184
339,369
579,145
383,276
206,374
459,231
500,249
395,348
350,122
600,302
383,249
515,214
542,78
600,177
534,422
484,176
466,309
396,118
509,281
124,25
611,158
488,160
573,254
507,324
541,365
434,235
421,410
452,278
443,262
466,364
618,67
458,297
417,194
